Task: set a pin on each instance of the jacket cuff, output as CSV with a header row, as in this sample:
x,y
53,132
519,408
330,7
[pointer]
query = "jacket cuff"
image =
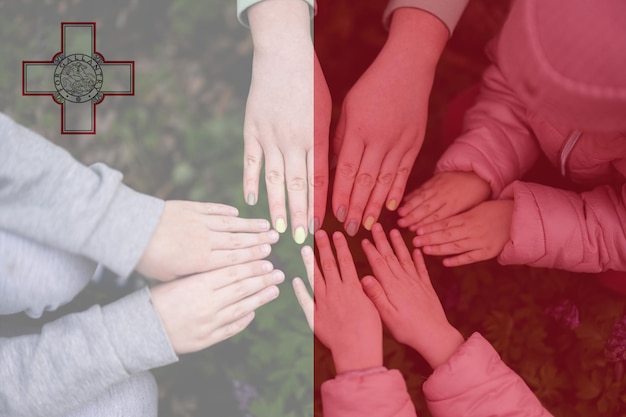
x,y
137,334
361,394
527,242
465,157
122,235
243,5
449,12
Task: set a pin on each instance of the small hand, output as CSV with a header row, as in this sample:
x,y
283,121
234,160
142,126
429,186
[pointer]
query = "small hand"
x,y
476,235
346,321
196,237
406,300
204,309
444,195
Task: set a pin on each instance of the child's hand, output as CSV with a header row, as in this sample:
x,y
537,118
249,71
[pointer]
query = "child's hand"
x,y
198,237
476,235
444,195
346,321
305,300
406,299
204,309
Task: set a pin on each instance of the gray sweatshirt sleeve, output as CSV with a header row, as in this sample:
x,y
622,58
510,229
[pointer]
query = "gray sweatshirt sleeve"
x,y
48,196
78,357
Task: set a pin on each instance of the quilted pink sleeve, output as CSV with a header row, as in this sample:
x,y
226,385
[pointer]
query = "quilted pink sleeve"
x,y
561,229
496,143
381,393
476,383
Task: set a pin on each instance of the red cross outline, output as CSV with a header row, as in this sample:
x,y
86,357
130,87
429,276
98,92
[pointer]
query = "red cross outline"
x,y
84,112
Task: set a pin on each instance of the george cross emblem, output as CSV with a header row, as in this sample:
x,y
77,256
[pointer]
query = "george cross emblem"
x,y
78,78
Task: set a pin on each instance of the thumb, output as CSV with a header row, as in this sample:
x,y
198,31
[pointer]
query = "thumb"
x,y
375,292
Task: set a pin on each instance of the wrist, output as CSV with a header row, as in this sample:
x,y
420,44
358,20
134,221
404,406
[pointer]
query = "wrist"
x,y
360,358
440,347
279,24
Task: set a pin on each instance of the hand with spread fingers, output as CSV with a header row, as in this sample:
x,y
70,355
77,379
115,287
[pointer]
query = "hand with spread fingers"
x,y
406,300
346,321
194,237
383,120
444,195
476,235
204,309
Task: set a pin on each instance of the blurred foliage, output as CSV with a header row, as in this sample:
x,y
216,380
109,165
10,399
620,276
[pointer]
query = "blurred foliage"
x,y
179,137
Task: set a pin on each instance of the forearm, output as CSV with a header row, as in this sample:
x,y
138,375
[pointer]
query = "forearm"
x,y
79,356
416,40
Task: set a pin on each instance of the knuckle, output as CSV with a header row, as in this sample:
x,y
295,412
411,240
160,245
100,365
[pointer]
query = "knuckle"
x,y
274,177
403,172
226,221
365,180
347,169
233,258
357,208
318,181
328,265
386,178
297,184
252,161
389,257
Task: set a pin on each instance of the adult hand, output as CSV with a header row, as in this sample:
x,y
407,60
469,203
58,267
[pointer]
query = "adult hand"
x,y
406,300
304,298
287,117
346,321
476,235
204,309
383,120
444,195
195,237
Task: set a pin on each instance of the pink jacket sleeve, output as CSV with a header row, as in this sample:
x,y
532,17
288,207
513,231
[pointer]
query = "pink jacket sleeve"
x,y
555,228
497,144
475,382
375,393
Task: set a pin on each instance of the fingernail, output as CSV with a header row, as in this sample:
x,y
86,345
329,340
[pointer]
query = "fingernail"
x,y
266,249
369,222
421,231
307,250
264,225
300,235
392,205
281,226
352,228
402,222
417,242
267,266
251,199
273,235
233,211
273,292
341,214
278,276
